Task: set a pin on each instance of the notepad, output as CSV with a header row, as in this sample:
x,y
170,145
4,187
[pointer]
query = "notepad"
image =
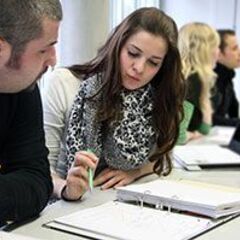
x,y
201,198
118,220
195,157
219,135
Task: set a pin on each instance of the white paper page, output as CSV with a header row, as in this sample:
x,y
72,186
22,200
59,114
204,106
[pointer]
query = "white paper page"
x,y
205,155
218,135
194,192
130,222
74,230
12,236
221,135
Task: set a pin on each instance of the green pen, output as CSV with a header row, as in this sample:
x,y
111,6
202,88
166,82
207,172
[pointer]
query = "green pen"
x,y
90,175
90,178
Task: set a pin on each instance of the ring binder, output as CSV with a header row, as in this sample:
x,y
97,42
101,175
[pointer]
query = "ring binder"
x,y
196,157
145,193
169,208
185,195
129,223
159,205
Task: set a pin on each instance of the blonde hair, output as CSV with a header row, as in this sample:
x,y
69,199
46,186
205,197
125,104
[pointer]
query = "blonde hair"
x,y
197,42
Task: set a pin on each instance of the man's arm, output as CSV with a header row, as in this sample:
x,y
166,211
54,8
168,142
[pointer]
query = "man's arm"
x,y
25,182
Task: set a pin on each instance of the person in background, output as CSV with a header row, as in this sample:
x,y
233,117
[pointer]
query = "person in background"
x,y
225,103
199,48
28,32
125,118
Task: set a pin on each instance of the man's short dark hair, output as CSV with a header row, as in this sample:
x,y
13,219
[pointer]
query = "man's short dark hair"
x,y
223,33
21,22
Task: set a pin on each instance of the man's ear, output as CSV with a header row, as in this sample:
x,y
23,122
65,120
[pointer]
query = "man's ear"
x,y
5,52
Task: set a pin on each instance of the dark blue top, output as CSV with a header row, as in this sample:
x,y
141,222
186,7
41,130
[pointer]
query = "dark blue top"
x,y
25,182
225,103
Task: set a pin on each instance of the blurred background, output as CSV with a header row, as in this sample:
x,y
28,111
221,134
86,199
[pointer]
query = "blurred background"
x,y
87,23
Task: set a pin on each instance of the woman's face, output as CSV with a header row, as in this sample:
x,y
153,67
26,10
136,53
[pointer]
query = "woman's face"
x,y
141,58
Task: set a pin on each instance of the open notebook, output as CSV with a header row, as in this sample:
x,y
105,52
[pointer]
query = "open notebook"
x,y
118,220
127,221
196,157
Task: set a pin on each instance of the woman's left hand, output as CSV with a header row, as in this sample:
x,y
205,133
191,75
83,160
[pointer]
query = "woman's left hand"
x,y
110,178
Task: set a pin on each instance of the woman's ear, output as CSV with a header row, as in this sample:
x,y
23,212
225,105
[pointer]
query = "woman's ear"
x,y
5,51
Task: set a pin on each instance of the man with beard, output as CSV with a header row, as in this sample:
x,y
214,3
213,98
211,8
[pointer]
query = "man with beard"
x,y
28,32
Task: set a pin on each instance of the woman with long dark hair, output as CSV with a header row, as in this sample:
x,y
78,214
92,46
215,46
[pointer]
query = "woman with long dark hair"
x,y
125,117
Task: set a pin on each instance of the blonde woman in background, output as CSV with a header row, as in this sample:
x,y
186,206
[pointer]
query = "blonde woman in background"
x,y
199,47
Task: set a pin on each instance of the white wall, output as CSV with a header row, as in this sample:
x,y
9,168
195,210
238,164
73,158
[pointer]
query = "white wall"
x,y
218,13
84,29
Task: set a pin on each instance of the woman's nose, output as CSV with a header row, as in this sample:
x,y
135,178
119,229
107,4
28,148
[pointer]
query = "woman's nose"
x,y
139,65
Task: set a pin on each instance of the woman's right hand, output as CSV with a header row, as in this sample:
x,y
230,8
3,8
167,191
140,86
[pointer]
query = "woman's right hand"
x,y
77,178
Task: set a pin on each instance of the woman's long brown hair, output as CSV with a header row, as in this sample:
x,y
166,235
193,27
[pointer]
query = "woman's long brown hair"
x,y
168,84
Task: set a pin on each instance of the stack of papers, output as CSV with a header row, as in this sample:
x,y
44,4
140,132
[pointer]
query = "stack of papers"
x,y
201,198
126,221
193,157
219,135
117,220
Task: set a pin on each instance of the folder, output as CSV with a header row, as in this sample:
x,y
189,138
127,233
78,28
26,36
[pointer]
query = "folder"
x,y
118,220
206,199
158,209
197,157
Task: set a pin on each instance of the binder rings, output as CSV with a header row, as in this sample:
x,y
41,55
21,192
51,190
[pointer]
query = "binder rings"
x,y
201,198
118,220
121,219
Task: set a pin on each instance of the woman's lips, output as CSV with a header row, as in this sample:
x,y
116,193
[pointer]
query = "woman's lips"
x,y
134,78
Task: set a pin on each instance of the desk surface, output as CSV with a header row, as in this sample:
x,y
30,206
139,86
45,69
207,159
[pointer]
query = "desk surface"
x,y
229,230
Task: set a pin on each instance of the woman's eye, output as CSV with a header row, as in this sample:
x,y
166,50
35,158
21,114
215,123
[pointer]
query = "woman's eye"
x,y
43,51
153,63
133,54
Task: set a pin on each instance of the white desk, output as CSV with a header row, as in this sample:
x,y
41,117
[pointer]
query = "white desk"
x,y
230,230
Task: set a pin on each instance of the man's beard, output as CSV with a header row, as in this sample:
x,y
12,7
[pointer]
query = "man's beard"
x,y
15,63
32,86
